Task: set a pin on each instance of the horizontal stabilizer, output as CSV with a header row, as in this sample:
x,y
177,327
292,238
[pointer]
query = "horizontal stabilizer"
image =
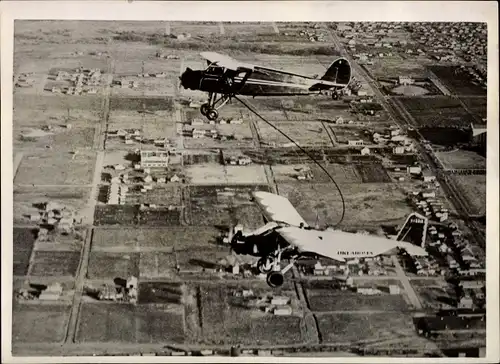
x,y
319,87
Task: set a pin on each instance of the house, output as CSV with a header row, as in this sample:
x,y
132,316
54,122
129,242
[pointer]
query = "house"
x,y
283,311
280,300
398,150
197,133
414,170
197,121
365,151
355,142
405,80
394,289
175,178
428,178
466,302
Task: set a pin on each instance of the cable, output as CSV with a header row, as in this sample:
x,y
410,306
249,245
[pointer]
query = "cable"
x,y
304,151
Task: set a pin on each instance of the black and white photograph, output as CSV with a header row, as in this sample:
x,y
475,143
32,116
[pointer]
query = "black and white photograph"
x,y
218,186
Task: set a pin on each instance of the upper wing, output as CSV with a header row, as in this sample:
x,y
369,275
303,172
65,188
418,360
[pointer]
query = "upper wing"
x,y
225,61
340,245
278,208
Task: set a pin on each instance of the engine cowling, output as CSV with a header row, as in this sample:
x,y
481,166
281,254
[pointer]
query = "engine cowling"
x,y
275,279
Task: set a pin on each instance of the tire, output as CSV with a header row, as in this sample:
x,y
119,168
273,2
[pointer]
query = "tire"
x,y
335,96
275,279
212,114
204,109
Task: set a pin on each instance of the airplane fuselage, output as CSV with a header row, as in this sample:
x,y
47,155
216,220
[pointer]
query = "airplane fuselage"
x,y
260,81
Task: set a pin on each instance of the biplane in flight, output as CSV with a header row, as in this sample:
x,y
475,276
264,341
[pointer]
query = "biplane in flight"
x,y
226,77
287,236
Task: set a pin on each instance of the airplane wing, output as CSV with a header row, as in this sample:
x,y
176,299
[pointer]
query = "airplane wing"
x,y
278,208
339,245
225,61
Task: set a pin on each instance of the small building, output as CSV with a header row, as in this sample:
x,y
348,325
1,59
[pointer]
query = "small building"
x,y
365,151
428,178
154,159
283,311
197,121
398,150
280,300
466,302
414,169
197,133
355,142
406,80
394,289
175,178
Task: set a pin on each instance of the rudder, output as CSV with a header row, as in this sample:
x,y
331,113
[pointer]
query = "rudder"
x,y
339,72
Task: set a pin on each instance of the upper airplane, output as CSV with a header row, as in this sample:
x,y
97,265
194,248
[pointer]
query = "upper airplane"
x,y
226,77
286,235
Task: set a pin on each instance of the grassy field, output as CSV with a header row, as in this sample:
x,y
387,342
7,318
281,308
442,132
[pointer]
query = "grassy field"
x,y
113,265
130,324
354,328
23,241
477,105
39,323
59,138
461,159
341,300
473,188
213,174
437,112
366,204
178,238
201,258
457,81
434,297
157,265
304,133
56,168
225,205
55,263
373,173
222,322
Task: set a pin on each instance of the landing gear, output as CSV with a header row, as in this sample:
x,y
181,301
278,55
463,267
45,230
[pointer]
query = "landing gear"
x,y
265,265
210,108
335,95
212,114
275,279
204,109
271,265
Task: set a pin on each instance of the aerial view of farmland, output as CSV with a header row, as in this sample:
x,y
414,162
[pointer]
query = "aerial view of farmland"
x,y
248,188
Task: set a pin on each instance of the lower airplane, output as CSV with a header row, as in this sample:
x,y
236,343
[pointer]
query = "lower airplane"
x,y
286,236
225,77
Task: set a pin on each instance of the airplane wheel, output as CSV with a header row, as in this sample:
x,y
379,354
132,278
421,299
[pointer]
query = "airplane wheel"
x,y
204,109
335,96
212,114
264,265
275,279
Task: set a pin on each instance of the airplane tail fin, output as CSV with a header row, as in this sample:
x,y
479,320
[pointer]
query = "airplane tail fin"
x,y
339,72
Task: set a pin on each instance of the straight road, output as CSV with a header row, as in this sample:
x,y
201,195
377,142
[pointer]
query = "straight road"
x,y
17,161
406,284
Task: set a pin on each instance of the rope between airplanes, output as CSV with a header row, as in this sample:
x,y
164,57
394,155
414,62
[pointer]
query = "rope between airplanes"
x,y
304,151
